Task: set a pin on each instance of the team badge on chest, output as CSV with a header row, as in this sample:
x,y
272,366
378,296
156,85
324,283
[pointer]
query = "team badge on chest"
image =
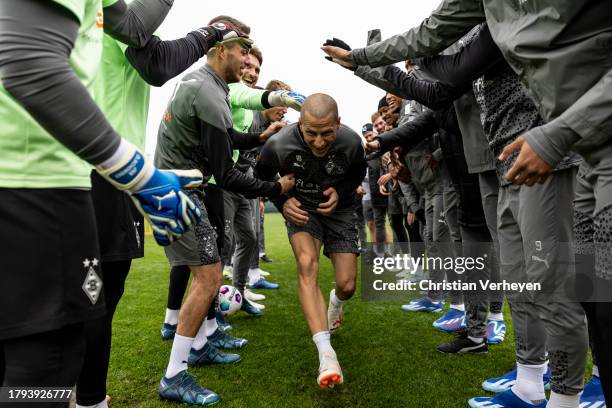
x,y
336,164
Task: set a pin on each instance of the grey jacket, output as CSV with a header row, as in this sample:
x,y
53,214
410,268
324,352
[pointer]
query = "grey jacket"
x,y
559,49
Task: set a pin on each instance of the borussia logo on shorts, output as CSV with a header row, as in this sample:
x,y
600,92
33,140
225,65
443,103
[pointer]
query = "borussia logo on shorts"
x,y
92,286
136,225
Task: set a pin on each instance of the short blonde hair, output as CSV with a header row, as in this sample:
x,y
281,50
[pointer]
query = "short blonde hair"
x,y
277,85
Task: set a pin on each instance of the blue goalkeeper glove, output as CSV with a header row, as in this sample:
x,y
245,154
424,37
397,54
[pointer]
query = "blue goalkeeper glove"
x,y
157,194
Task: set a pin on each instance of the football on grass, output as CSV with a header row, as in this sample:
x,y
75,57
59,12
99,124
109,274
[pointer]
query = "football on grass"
x,y
230,300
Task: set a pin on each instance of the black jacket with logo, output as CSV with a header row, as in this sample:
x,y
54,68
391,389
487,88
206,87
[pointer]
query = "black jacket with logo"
x,y
342,168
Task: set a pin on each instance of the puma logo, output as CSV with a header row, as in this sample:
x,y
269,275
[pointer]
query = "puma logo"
x,y
544,261
160,199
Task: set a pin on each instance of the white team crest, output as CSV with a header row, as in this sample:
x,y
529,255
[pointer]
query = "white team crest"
x,y
136,225
92,286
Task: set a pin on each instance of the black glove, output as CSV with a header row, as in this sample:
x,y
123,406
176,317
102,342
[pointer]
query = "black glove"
x,y
336,42
221,32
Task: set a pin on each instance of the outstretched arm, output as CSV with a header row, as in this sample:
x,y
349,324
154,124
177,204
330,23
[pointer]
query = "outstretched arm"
x,y
159,61
242,96
475,59
409,134
218,146
449,22
433,94
134,24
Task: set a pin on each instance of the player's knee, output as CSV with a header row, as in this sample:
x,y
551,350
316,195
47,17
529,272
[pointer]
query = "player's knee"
x,y
346,287
209,276
307,263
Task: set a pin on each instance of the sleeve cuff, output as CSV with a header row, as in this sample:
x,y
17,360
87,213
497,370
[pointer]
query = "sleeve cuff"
x,y
552,141
264,100
358,56
414,208
276,190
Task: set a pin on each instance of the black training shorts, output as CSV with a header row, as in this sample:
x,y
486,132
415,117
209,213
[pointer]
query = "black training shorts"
x,y
337,232
50,273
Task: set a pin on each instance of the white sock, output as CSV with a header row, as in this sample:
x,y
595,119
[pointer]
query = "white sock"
x,y
460,307
210,326
477,340
179,354
334,299
322,341
102,404
595,371
529,384
563,401
200,338
171,316
496,316
254,275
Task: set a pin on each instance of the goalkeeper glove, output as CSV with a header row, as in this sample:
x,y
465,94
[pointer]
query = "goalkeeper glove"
x,y
220,33
158,194
293,100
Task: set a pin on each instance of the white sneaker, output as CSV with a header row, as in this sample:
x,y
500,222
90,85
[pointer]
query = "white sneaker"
x,y
264,273
252,296
257,305
330,373
335,315
227,272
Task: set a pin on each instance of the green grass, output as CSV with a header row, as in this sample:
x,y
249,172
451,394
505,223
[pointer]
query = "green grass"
x,y
388,356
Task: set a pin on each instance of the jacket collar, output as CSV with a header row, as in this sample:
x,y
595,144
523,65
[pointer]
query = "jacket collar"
x,y
216,77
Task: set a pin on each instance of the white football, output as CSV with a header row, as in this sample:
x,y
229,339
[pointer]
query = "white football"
x,y
230,300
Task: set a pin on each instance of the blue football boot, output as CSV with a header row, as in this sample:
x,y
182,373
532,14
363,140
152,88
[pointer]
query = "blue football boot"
x,y
220,339
210,355
506,399
222,323
593,397
262,283
168,331
452,321
506,381
423,305
496,331
184,388
250,308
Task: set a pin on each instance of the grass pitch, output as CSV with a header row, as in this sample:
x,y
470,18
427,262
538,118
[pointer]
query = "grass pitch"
x,y
388,356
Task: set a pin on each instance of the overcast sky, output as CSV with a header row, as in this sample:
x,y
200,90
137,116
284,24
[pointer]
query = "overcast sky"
x,y
289,35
